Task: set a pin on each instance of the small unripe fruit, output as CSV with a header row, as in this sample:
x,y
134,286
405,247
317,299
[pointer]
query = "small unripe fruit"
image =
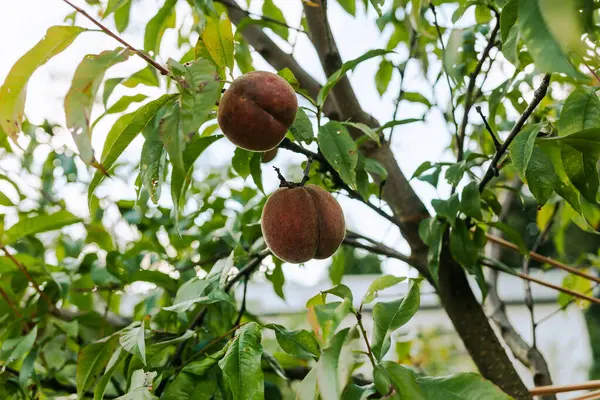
x,y
268,156
302,223
257,110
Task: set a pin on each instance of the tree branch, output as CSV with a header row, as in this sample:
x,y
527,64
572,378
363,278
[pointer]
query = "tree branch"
x,y
497,144
144,56
469,94
261,17
538,95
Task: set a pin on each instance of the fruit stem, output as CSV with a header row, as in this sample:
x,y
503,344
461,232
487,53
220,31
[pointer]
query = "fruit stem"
x,y
285,183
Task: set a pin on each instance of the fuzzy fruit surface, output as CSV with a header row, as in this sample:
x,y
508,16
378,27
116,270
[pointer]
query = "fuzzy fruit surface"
x,y
257,110
269,156
302,223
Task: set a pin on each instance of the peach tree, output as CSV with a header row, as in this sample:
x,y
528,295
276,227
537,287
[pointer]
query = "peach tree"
x,y
512,84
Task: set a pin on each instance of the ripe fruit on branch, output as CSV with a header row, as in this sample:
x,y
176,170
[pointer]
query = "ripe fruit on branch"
x,y
302,223
257,110
268,156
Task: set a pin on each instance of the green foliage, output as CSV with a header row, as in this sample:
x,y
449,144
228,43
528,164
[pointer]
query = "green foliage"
x,y
63,326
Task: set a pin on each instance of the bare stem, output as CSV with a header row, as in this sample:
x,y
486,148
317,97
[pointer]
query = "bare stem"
x,y
364,333
497,143
243,306
538,95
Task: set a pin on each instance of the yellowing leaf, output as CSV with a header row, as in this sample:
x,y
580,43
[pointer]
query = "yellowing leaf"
x,y
13,91
216,42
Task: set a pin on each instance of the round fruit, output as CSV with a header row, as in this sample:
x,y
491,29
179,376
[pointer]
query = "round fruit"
x,y
257,110
302,223
268,156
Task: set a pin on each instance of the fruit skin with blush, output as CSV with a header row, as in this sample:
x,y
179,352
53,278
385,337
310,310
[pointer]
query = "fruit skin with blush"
x,y
257,110
302,223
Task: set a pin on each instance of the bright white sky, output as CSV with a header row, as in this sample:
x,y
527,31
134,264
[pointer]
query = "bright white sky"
x,y
23,23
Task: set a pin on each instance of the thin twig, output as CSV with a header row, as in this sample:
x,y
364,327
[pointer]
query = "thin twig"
x,y
380,249
10,303
243,306
144,56
528,296
411,49
543,259
364,333
439,31
497,143
471,87
564,306
25,272
538,95
544,283
595,395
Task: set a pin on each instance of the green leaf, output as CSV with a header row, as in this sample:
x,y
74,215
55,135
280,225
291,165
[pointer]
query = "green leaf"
x,y
582,172
347,66
384,76
387,317
307,389
122,15
371,134
393,123
342,291
337,267
298,343
256,170
114,5
381,283
243,57
381,380
38,224
466,386
334,367
181,182
447,209
462,246
215,296
510,48
404,380
27,368
199,95
242,364
349,6
302,128
470,201
14,349
200,368
139,389
241,162
5,200
146,76
340,150
277,278
543,46
191,387
269,9
581,111
432,231
124,102
416,97
80,98
521,148
508,17
152,164
541,177
122,133
13,91
216,42
375,168
378,4
155,29
91,362
113,363
132,339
